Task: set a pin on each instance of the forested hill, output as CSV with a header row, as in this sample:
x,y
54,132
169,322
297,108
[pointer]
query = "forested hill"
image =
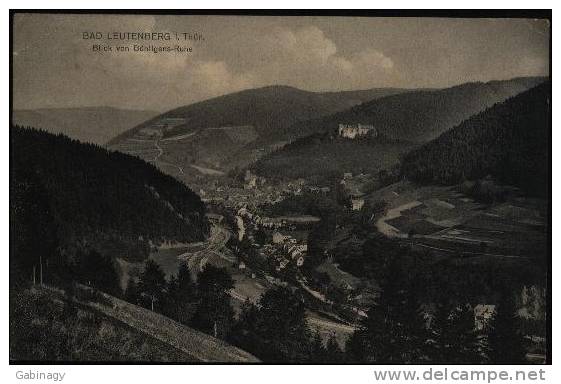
x,y
509,141
421,116
269,110
86,194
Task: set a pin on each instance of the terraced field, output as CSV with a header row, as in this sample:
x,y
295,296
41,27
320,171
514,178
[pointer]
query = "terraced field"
x,y
450,223
195,154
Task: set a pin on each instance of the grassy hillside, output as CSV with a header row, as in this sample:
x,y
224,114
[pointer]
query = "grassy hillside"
x,y
423,115
508,141
49,324
69,196
90,124
270,110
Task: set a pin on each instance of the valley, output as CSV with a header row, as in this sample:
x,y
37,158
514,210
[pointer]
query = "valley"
x,y
329,220
343,187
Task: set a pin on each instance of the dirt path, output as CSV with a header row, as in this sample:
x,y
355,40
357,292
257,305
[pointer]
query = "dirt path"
x,y
207,171
161,162
474,254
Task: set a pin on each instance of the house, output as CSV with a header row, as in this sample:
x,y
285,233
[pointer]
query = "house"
x,y
288,244
279,238
214,218
297,250
283,264
483,314
357,204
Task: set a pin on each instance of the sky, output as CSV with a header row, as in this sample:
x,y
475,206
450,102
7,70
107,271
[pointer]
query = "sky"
x,y
54,66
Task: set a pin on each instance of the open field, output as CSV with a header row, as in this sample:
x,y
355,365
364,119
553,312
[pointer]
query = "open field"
x,y
448,222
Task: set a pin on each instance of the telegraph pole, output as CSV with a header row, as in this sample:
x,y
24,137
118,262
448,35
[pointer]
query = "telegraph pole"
x,y
40,270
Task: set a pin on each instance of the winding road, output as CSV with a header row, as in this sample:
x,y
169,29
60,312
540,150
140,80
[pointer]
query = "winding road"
x,y
160,153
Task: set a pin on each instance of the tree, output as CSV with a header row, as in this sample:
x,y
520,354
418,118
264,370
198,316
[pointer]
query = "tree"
x,y
99,271
243,332
394,330
131,291
275,330
181,298
152,284
33,232
214,314
505,342
356,347
333,353
317,349
261,236
456,341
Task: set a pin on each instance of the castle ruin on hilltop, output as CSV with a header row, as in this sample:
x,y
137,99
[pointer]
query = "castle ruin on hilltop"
x,y
352,131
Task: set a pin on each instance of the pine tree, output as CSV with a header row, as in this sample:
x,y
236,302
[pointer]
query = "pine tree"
x,y
131,291
395,330
152,285
333,353
243,333
456,339
355,348
181,298
276,330
214,314
99,271
505,342
317,349
282,324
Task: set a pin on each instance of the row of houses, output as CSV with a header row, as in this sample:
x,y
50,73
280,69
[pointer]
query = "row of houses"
x,y
289,249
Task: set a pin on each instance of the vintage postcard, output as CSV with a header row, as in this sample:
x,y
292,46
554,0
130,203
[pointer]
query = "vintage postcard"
x,y
268,187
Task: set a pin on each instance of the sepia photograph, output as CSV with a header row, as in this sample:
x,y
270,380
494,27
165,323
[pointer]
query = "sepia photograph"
x,y
280,187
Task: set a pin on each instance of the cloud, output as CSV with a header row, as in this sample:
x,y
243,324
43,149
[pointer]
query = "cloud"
x,y
302,57
54,66
218,79
308,59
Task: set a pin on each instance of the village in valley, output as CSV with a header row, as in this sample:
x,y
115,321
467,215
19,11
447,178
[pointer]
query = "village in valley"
x,y
262,249
326,190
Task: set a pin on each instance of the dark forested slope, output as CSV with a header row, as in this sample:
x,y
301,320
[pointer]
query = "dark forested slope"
x,y
509,141
421,116
67,194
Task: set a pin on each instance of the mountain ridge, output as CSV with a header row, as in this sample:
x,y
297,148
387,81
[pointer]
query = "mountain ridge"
x,y
94,124
420,116
239,109
508,141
